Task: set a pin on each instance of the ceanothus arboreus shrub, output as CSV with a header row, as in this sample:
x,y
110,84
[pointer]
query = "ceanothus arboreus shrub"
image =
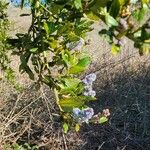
x,y
55,43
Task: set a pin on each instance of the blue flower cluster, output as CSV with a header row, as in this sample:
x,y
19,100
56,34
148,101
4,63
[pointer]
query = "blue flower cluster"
x,y
88,81
76,45
83,115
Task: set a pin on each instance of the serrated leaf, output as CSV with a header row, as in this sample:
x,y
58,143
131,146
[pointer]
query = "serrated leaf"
x,y
77,127
103,119
115,49
65,127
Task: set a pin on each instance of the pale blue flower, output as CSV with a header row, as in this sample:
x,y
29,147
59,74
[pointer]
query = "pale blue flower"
x,y
88,81
91,93
76,111
83,115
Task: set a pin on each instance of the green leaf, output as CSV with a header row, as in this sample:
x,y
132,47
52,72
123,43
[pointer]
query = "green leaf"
x,y
77,127
69,84
67,104
115,49
110,21
84,62
76,69
103,119
144,49
140,13
138,34
81,65
50,27
145,1
91,15
78,4
33,50
116,7
65,127
24,65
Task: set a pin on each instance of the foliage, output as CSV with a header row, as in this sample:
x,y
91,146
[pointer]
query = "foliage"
x,y
127,18
5,47
54,45
4,26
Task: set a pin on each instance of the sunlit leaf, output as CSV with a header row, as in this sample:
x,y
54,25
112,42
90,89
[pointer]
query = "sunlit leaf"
x,y
91,15
33,50
78,4
103,119
65,127
69,84
140,13
115,49
77,127
68,103
110,21
81,65
145,49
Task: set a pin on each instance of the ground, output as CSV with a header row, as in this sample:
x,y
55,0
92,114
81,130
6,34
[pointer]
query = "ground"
x,y
122,85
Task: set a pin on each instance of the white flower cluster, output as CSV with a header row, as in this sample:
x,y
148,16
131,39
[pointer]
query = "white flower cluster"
x,y
88,81
76,45
83,115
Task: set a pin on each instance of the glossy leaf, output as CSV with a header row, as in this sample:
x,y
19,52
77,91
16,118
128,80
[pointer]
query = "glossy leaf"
x,y
68,103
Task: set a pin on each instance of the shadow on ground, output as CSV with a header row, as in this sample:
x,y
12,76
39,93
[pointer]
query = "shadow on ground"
x,y
125,90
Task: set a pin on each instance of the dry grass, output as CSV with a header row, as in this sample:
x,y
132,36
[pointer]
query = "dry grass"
x,y
32,116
